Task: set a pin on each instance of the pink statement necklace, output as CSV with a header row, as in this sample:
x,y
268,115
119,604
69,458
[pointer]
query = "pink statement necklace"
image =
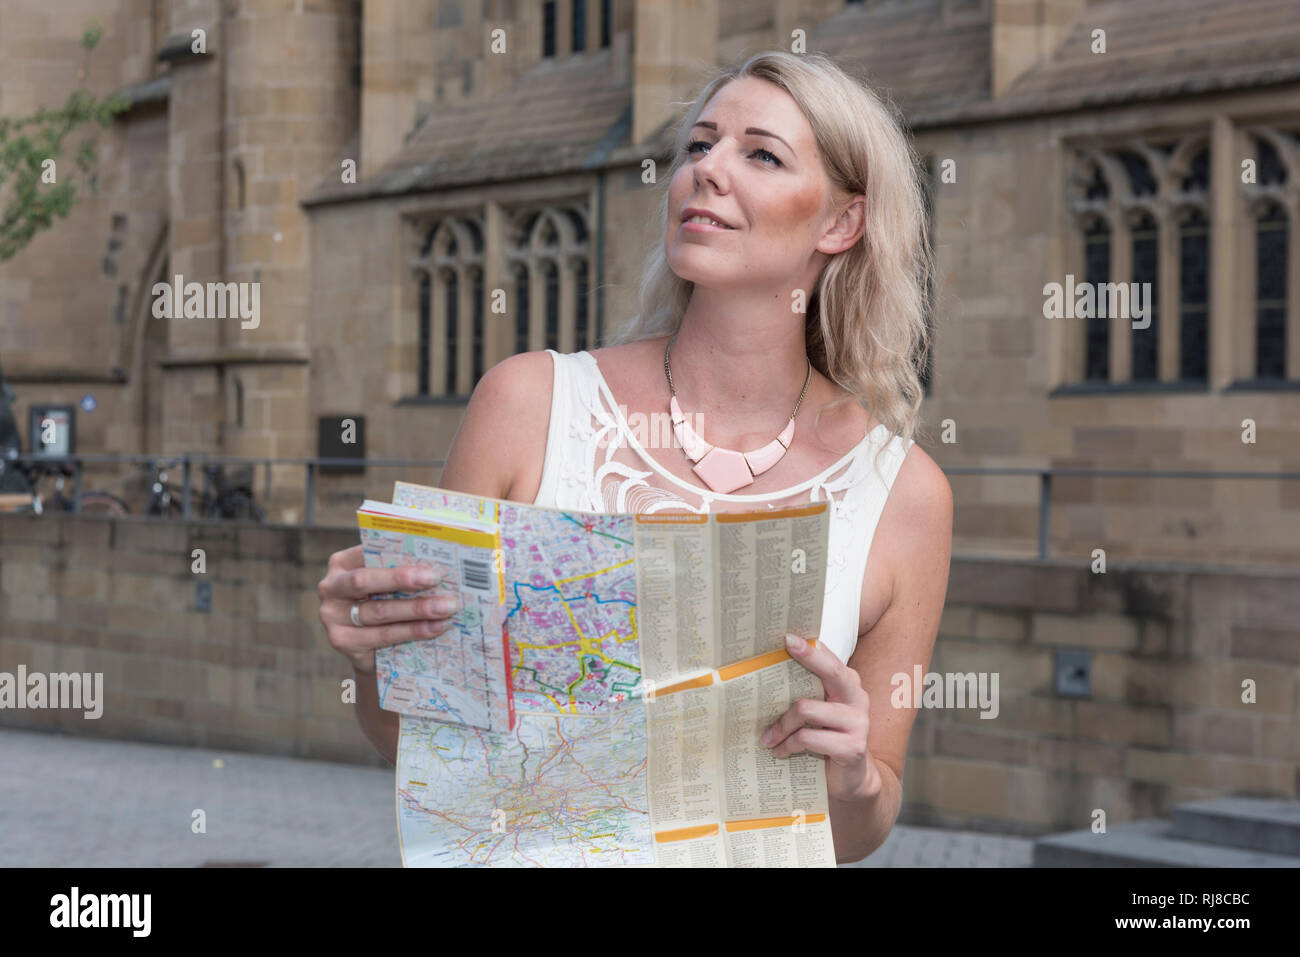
x,y
725,470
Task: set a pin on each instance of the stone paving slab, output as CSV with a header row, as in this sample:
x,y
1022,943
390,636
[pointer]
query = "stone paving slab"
x,y
88,802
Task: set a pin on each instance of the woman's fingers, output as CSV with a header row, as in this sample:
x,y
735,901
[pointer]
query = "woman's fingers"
x,y
348,558
358,645
388,621
390,610
381,636
835,745
811,713
841,683
348,581
364,582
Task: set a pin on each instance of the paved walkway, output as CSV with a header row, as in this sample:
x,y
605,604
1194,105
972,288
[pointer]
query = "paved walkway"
x,y
89,802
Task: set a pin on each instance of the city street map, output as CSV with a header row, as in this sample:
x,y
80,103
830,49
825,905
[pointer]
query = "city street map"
x,y
554,726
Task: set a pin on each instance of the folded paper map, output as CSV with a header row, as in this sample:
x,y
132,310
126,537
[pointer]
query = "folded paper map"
x,y
599,699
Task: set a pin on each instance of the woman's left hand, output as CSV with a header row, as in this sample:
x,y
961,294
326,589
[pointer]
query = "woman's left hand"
x,y
835,728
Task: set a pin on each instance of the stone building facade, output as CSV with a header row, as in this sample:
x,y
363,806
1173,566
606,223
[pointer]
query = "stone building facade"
x,y
392,171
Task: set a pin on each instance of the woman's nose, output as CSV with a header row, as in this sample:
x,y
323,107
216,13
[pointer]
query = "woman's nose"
x,y
713,166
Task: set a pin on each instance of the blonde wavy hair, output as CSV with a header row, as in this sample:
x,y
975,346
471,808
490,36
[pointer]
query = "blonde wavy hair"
x,y
865,328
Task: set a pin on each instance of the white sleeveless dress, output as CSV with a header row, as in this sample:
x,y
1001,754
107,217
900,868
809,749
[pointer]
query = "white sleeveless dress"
x,y
595,462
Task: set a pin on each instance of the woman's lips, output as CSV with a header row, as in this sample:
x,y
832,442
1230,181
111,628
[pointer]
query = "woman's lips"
x,y
705,227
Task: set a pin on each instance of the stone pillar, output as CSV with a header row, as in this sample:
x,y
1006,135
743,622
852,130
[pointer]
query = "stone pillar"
x,y
1121,327
398,51
499,328
1025,32
675,44
1224,327
192,406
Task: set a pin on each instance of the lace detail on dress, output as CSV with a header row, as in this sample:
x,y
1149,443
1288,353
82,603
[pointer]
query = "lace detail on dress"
x,y
627,479
624,479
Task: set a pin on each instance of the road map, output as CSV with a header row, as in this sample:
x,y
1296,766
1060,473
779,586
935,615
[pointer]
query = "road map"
x,y
460,677
530,736
555,792
570,603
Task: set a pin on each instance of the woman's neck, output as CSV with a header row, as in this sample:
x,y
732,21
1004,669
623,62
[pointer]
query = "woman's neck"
x,y
743,362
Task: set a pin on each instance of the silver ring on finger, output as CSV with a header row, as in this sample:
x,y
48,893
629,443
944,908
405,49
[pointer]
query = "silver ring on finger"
x,y
355,614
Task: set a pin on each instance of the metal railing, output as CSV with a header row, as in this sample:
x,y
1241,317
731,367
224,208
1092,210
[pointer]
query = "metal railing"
x,y
188,461
1045,476
312,465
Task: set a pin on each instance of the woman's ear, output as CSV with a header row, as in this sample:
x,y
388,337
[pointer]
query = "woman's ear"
x,y
847,228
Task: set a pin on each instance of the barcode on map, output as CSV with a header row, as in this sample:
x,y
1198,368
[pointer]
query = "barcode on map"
x,y
475,574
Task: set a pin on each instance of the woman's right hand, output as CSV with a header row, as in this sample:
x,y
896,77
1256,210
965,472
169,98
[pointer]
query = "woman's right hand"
x,y
389,621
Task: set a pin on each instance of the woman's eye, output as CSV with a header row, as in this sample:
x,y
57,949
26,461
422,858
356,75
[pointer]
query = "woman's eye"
x,y
766,154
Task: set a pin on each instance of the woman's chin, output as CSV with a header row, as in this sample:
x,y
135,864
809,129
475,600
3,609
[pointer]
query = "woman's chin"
x,y
706,278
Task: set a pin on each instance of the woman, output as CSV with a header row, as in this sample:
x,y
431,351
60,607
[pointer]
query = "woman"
x,y
783,318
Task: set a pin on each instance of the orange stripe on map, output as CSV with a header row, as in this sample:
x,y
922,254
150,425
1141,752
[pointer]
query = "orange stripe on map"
x,y
755,663
798,511
758,823
670,518
445,533
686,833
700,682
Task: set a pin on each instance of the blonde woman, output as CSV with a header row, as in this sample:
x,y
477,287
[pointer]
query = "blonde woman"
x,y
781,325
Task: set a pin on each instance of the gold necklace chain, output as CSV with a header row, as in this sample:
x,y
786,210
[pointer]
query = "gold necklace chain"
x,y
669,372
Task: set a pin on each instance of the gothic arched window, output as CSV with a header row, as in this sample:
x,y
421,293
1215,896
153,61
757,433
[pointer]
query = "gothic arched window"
x,y
548,254
451,339
422,373
1140,180
580,336
1122,198
451,324
548,28
476,325
579,26
521,308
1197,179
1271,241
1270,291
1096,258
1193,296
552,279
1145,342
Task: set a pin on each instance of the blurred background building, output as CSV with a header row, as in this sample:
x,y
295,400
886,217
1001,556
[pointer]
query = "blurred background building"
x,y
380,170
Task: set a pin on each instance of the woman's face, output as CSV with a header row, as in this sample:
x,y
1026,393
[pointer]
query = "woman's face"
x,y
752,162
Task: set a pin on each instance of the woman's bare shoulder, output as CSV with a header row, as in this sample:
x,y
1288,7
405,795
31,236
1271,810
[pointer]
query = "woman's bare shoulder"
x,y
503,433
915,527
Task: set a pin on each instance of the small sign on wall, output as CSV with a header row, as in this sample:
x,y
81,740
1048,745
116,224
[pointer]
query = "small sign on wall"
x,y
1073,673
203,594
342,437
52,430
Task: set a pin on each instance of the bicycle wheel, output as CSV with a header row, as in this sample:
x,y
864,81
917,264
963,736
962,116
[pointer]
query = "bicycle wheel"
x,y
103,503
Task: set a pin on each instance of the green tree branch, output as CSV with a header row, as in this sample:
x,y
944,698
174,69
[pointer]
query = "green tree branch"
x,y
29,203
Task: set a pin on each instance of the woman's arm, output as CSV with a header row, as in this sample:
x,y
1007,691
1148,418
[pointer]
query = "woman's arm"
x,y
502,437
502,434
914,540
